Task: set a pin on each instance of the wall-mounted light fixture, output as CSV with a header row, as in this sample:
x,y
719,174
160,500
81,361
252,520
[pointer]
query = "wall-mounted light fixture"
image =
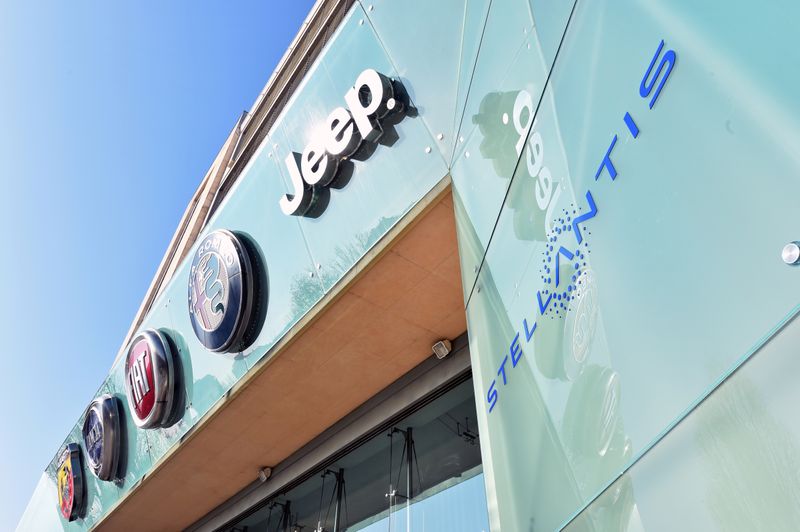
x,y
264,473
442,348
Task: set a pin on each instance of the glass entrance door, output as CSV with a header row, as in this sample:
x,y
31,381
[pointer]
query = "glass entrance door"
x,y
422,472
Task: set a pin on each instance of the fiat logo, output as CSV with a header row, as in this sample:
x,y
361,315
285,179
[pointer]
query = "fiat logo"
x,y
149,379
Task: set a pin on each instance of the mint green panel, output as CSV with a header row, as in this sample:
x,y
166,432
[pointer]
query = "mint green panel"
x,y
384,186
517,48
435,63
528,473
588,344
730,465
251,210
550,18
506,85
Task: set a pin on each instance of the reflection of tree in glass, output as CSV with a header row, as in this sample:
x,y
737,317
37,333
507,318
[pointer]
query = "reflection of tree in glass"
x,y
752,461
307,290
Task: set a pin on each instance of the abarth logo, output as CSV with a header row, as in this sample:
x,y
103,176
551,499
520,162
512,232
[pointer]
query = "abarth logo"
x,y
69,482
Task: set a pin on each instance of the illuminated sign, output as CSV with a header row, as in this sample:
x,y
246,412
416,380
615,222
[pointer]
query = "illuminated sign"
x,y
223,286
70,483
149,379
372,100
565,269
101,437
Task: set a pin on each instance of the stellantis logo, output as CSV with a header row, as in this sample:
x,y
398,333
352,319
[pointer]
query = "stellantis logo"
x,y
223,287
372,100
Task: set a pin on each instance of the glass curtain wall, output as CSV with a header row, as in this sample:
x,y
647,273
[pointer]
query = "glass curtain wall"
x,y
421,473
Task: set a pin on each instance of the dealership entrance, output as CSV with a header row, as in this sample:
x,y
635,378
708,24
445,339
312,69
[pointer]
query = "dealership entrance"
x,y
421,470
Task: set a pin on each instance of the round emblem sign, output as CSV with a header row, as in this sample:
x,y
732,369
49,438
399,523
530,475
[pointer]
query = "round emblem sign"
x,y
592,422
69,478
221,291
149,379
101,437
581,323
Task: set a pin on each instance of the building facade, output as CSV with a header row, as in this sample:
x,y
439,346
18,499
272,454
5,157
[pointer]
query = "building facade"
x,y
512,265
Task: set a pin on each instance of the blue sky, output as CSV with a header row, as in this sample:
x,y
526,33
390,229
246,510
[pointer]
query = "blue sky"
x,y
111,114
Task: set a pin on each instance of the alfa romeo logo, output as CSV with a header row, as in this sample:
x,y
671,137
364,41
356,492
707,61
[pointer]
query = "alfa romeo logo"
x,y
210,291
101,437
69,482
149,379
222,287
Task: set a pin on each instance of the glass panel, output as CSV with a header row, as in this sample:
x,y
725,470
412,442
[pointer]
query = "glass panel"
x,y
446,479
516,52
529,475
730,465
383,186
436,65
550,18
509,77
593,331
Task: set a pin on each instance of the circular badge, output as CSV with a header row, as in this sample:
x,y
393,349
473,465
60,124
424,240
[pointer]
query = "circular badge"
x,y
592,417
69,478
149,379
221,291
580,324
101,437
